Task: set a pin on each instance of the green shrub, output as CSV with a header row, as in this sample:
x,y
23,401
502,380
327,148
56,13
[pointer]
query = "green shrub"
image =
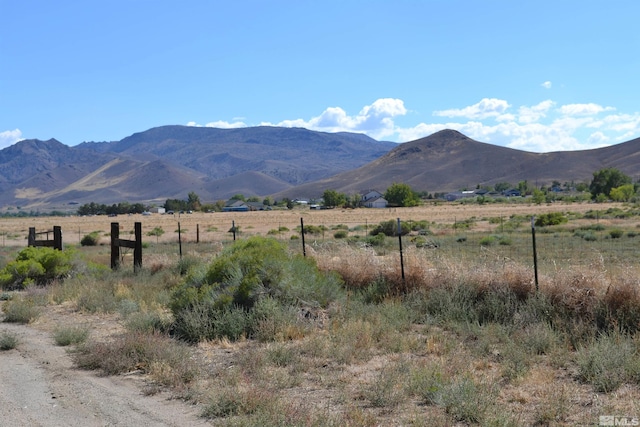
x,y
487,240
166,361
36,265
149,322
340,234
607,362
390,228
551,218
90,239
8,341
219,303
314,229
616,233
466,400
64,336
375,240
20,310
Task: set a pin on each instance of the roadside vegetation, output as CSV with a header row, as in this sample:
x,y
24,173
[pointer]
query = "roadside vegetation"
x,y
255,333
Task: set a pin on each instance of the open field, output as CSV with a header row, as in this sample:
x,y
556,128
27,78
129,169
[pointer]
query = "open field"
x,y
216,226
464,340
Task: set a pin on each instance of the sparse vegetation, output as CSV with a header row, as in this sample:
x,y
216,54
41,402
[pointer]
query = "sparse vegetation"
x,y
70,335
8,341
252,331
36,266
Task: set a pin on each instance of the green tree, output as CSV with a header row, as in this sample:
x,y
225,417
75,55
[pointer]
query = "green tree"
x,y
332,198
624,193
502,186
538,196
399,194
158,231
193,201
606,179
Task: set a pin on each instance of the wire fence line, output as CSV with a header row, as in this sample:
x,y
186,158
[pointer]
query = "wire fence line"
x,y
591,243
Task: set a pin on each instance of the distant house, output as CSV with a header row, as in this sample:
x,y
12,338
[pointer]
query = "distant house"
x,y
512,193
378,202
256,206
373,199
157,210
234,205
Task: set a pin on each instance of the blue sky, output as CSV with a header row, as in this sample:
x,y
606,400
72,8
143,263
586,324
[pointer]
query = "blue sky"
x,y
533,75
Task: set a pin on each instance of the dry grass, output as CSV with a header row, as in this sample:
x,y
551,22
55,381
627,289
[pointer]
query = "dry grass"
x,y
462,340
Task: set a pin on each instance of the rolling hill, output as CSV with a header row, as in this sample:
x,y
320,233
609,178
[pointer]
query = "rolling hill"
x,y
170,161
449,161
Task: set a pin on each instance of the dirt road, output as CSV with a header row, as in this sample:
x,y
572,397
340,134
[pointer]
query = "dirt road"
x,y
40,387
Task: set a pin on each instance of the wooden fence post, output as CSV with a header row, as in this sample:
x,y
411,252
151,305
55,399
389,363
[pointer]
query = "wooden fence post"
x,y
115,245
136,245
56,243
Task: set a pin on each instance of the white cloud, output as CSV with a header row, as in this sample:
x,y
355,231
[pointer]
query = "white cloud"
x,y
583,109
537,128
10,137
534,113
486,108
220,124
375,120
546,85
598,139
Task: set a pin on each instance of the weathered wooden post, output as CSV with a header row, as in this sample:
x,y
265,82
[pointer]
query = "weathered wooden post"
x,y
180,239
56,243
304,250
535,254
137,249
400,242
115,245
136,245
31,240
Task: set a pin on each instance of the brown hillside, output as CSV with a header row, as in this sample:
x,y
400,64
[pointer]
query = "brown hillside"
x,y
449,161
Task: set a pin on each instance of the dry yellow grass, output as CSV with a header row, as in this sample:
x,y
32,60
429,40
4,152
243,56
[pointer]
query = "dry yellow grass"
x,y
216,226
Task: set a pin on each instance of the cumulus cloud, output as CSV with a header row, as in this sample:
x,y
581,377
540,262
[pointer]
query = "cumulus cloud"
x,y
10,137
486,108
546,85
534,113
375,120
583,109
541,127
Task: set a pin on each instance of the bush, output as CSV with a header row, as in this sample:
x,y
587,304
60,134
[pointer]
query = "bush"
x,y
551,218
64,336
340,234
20,310
375,240
487,240
219,303
8,341
166,361
390,228
616,233
90,239
607,362
36,265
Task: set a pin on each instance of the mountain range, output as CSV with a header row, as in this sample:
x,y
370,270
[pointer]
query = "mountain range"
x,y
170,161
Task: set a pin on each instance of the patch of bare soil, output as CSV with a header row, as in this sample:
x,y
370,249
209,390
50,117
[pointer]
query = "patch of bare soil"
x,y
39,386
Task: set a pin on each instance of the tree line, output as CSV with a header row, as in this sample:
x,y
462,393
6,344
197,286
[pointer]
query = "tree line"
x,y
607,184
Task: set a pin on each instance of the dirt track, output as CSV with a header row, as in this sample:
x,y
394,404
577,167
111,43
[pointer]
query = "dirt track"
x,y
40,387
